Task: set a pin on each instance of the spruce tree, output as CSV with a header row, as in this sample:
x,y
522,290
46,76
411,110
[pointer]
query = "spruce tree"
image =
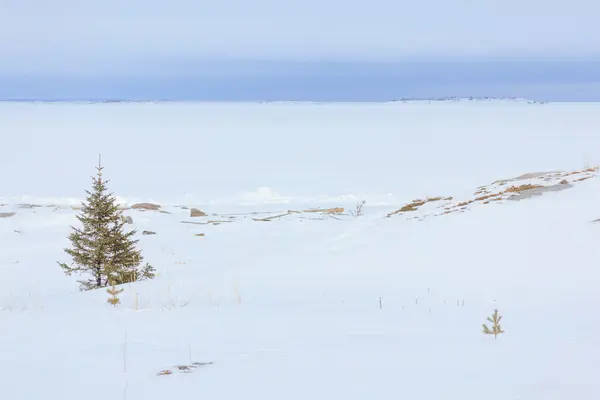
x,y
114,293
101,250
496,328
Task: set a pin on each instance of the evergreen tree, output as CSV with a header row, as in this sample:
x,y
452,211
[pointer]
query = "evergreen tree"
x,y
101,250
114,293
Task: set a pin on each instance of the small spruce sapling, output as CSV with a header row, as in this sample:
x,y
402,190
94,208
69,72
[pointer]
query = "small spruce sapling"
x,y
496,327
114,292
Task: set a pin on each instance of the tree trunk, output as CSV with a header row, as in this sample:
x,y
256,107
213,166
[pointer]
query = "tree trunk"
x,y
99,276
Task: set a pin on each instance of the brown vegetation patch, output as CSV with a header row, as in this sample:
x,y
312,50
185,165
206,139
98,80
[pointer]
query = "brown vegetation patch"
x,y
488,196
415,204
583,179
165,372
334,210
438,198
517,189
591,169
7,214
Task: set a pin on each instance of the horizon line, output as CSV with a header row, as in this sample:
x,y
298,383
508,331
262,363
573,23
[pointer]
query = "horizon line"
x,y
404,100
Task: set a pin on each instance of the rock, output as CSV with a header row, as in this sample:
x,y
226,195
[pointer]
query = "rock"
x,y
194,212
199,234
127,219
145,206
7,214
148,233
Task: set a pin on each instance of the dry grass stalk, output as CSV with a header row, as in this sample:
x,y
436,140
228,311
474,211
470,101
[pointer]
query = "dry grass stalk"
x,y
359,209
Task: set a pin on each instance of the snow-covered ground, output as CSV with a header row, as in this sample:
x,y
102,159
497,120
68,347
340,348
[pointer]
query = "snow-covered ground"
x,y
285,295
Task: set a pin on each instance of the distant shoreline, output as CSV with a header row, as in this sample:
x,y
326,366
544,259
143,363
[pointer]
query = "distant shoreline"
x,y
400,100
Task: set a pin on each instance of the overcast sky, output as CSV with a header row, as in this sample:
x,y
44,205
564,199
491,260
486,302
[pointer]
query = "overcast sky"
x,y
228,37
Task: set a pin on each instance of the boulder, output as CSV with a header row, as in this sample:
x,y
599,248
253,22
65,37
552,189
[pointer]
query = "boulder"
x,y
148,233
194,212
145,206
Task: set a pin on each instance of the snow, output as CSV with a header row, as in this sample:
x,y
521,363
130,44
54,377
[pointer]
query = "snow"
x,y
307,304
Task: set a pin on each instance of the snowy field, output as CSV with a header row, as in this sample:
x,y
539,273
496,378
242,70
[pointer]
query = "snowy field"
x,y
471,206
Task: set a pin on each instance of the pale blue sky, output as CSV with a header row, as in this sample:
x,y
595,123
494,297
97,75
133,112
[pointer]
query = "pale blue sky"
x,y
170,49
